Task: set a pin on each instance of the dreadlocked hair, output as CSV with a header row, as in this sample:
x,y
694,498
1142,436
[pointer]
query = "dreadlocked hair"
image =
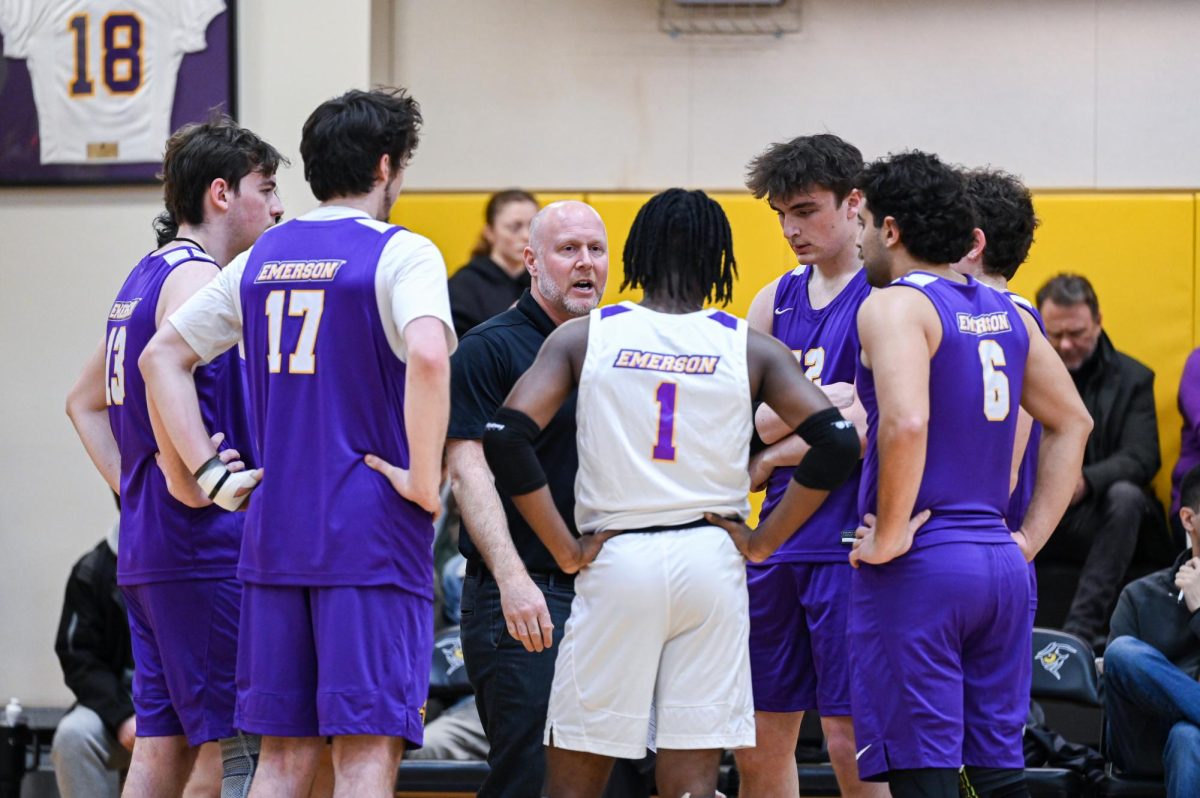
x,y
680,245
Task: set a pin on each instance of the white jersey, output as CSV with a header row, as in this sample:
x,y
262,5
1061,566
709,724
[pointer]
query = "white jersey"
x,y
104,71
664,419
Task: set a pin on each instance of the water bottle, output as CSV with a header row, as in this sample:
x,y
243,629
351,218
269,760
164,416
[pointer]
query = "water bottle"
x,y
13,712
14,741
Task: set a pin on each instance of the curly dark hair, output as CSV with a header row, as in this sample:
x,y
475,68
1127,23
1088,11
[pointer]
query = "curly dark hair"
x,y
344,138
807,162
927,199
681,244
1004,211
198,154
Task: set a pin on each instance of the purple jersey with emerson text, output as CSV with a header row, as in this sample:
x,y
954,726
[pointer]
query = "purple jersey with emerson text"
x,y
975,380
326,389
162,539
826,342
1018,503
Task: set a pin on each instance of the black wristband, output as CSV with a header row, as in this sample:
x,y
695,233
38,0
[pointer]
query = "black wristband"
x,y
508,446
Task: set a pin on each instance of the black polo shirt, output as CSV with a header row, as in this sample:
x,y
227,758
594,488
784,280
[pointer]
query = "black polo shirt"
x,y
488,362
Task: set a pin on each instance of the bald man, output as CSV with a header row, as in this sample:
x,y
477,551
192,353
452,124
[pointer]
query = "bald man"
x,y
516,600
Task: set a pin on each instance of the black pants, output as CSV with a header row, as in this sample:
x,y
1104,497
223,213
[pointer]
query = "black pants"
x,y
512,685
1100,533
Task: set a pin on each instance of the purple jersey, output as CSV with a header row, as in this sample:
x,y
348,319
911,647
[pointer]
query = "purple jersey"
x,y
326,389
1018,503
162,539
975,381
826,341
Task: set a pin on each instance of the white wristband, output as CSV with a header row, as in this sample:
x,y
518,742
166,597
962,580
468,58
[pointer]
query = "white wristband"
x,y
222,485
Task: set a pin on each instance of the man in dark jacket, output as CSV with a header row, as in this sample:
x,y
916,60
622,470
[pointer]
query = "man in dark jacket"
x,y
96,736
1111,501
1152,662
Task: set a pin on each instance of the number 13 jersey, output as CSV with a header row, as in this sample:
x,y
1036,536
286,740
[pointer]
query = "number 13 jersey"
x,y
664,419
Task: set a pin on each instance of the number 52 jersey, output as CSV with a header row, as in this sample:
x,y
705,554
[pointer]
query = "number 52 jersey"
x,y
663,418
104,71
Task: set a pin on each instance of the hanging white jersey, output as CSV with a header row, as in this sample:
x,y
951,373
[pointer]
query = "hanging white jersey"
x,y
104,71
664,419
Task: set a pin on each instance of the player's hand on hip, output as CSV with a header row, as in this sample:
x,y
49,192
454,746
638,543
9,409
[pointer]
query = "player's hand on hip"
x,y
402,483
869,548
1024,545
183,486
225,480
742,535
526,614
588,549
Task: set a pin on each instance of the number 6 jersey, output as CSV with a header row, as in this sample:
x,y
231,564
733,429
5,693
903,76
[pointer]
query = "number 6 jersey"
x,y
664,417
104,71
975,381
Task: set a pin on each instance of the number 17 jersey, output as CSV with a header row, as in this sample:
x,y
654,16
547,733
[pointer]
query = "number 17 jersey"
x,y
663,419
326,388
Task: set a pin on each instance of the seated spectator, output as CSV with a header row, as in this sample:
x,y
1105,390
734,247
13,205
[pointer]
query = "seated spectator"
x,y
495,276
1189,436
96,737
93,742
1153,660
1100,529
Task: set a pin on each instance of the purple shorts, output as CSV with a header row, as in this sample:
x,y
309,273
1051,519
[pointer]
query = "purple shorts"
x,y
184,637
939,659
318,661
798,637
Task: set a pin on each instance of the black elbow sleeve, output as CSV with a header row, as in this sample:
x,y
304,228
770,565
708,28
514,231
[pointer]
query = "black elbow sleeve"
x,y
508,446
834,452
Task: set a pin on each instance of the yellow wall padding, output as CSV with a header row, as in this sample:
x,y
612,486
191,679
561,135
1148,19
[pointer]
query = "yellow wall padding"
x,y
452,221
1140,250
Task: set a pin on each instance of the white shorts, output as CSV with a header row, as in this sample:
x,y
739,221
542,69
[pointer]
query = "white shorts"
x,y
662,618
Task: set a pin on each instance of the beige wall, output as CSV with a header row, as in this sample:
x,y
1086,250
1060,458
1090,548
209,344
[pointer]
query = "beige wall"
x,y
572,94
64,254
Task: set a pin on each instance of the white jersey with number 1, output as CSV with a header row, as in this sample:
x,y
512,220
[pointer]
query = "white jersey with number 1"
x,y
664,419
103,71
